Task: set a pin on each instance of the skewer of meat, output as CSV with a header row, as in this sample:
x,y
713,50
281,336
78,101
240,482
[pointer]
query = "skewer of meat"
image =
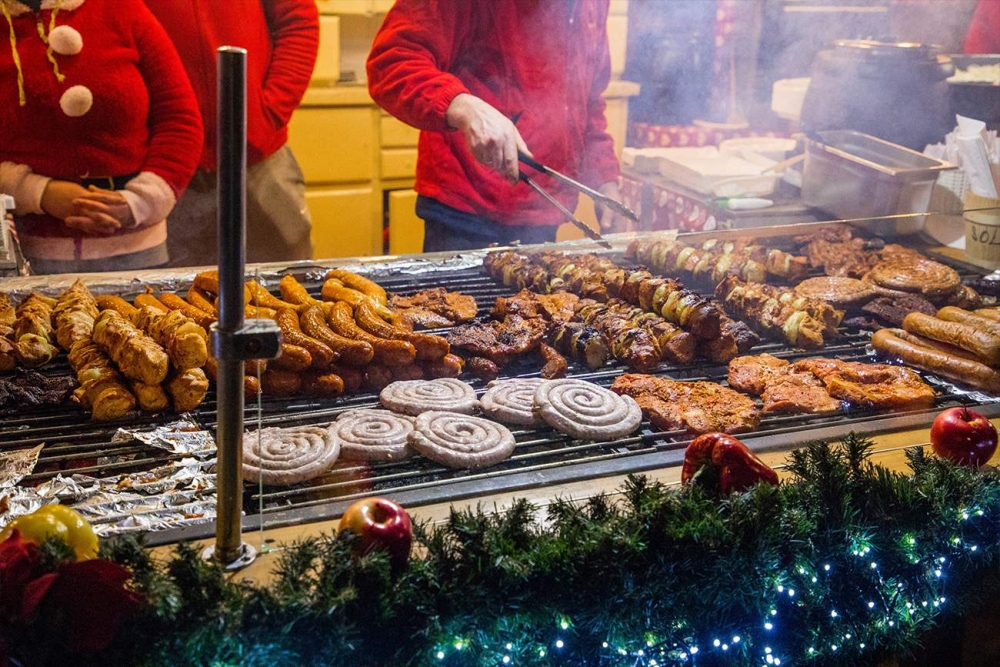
x,y
779,312
33,333
74,315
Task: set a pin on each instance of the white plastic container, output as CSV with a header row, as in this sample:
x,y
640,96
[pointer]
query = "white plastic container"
x,y
787,96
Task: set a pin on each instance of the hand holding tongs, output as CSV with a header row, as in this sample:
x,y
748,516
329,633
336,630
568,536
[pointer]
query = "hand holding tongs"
x,y
598,197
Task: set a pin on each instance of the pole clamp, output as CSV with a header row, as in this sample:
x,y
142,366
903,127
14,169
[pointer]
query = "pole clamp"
x,y
256,339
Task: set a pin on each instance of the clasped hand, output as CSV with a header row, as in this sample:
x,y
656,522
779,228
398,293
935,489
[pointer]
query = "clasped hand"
x,y
93,211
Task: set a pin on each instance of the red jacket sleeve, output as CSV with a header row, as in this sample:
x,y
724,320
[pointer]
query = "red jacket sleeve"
x,y
984,30
599,164
408,63
175,130
294,26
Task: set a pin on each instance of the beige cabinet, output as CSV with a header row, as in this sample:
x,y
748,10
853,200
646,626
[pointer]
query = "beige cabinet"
x,y
406,230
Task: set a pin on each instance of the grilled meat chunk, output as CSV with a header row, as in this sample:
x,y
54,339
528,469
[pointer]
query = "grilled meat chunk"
x,y
28,388
875,386
453,306
780,386
700,407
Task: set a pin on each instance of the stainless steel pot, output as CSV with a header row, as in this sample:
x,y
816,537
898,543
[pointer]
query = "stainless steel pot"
x,y
896,91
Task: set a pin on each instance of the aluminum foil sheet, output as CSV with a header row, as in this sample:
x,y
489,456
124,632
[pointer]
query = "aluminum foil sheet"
x,y
180,437
17,464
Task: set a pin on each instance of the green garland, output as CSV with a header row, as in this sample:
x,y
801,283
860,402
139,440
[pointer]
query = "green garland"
x,y
848,563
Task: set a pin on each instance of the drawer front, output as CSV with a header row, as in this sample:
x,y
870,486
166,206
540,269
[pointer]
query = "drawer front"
x,y
617,43
397,134
399,163
334,145
343,222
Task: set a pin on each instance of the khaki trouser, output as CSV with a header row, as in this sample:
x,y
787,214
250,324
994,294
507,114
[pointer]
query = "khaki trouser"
x,y
278,223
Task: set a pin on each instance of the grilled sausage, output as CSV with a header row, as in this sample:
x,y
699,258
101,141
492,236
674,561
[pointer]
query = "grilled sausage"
x,y
555,364
200,299
369,288
288,321
377,377
449,366
259,296
428,346
353,377
953,314
293,358
387,352
989,313
352,352
920,341
408,372
251,387
280,383
334,290
294,292
207,281
143,300
483,368
174,302
325,385
111,302
984,344
258,313
958,369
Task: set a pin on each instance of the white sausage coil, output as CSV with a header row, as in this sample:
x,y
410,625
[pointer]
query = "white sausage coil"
x,y
411,397
461,441
512,401
586,411
373,435
283,456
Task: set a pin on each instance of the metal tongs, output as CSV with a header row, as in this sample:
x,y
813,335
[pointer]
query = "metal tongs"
x,y
598,198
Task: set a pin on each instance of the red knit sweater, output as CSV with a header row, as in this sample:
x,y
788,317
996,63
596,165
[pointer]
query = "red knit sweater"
x,y
984,29
143,119
281,38
545,62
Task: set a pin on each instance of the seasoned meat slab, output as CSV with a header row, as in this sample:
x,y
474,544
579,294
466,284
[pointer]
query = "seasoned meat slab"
x,y
700,407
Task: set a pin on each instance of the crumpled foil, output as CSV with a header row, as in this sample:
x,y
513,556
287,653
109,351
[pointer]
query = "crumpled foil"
x,y
18,501
17,464
177,494
179,437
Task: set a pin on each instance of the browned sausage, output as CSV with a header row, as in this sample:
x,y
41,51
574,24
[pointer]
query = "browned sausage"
x,y
259,296
288,322
280,383
483,368
293,358
327,385
555,364
920,341
983,344
989,313
408,372
250,385
352,352
377,377
200,299
294,292
958,369
388,352
143,300
258,313
174,302
334,290
428,346
207,281
369,288
953,314
111,302
353,378
450,366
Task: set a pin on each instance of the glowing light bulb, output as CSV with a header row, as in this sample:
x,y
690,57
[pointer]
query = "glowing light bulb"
x,y
559,643
736,639
871,605
694,650
833,613
564,625
826,567
768,626
791,592
716,643
509,646
604,644
767,649
506,659
781,589
725,647
440,655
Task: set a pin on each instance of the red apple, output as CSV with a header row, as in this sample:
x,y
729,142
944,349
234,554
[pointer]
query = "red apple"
x,y
379,524
963,436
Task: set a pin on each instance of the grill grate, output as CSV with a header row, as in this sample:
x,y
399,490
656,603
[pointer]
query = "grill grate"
x,y
542,456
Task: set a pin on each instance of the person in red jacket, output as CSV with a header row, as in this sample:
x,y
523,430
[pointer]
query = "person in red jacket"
x,y
281,38
100,132
983,35
482,81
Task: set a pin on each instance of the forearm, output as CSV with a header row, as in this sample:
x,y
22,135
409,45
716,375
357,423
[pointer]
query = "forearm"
x,y
26,187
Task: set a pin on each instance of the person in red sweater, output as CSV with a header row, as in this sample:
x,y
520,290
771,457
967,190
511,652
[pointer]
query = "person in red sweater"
x,y
482,81
100,132
281,38
983,35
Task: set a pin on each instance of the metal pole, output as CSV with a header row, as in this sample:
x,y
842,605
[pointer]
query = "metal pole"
x,y
232,62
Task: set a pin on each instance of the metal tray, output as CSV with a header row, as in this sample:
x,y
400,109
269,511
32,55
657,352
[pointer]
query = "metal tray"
x,y
853,175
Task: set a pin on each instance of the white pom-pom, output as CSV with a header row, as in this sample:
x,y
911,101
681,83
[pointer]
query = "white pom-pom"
x,y
76,101
66,41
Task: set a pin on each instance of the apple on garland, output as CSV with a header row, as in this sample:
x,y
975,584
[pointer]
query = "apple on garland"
x,y
379,524
964,436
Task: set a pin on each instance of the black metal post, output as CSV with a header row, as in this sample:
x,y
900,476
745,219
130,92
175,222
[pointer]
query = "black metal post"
x,y
229,547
